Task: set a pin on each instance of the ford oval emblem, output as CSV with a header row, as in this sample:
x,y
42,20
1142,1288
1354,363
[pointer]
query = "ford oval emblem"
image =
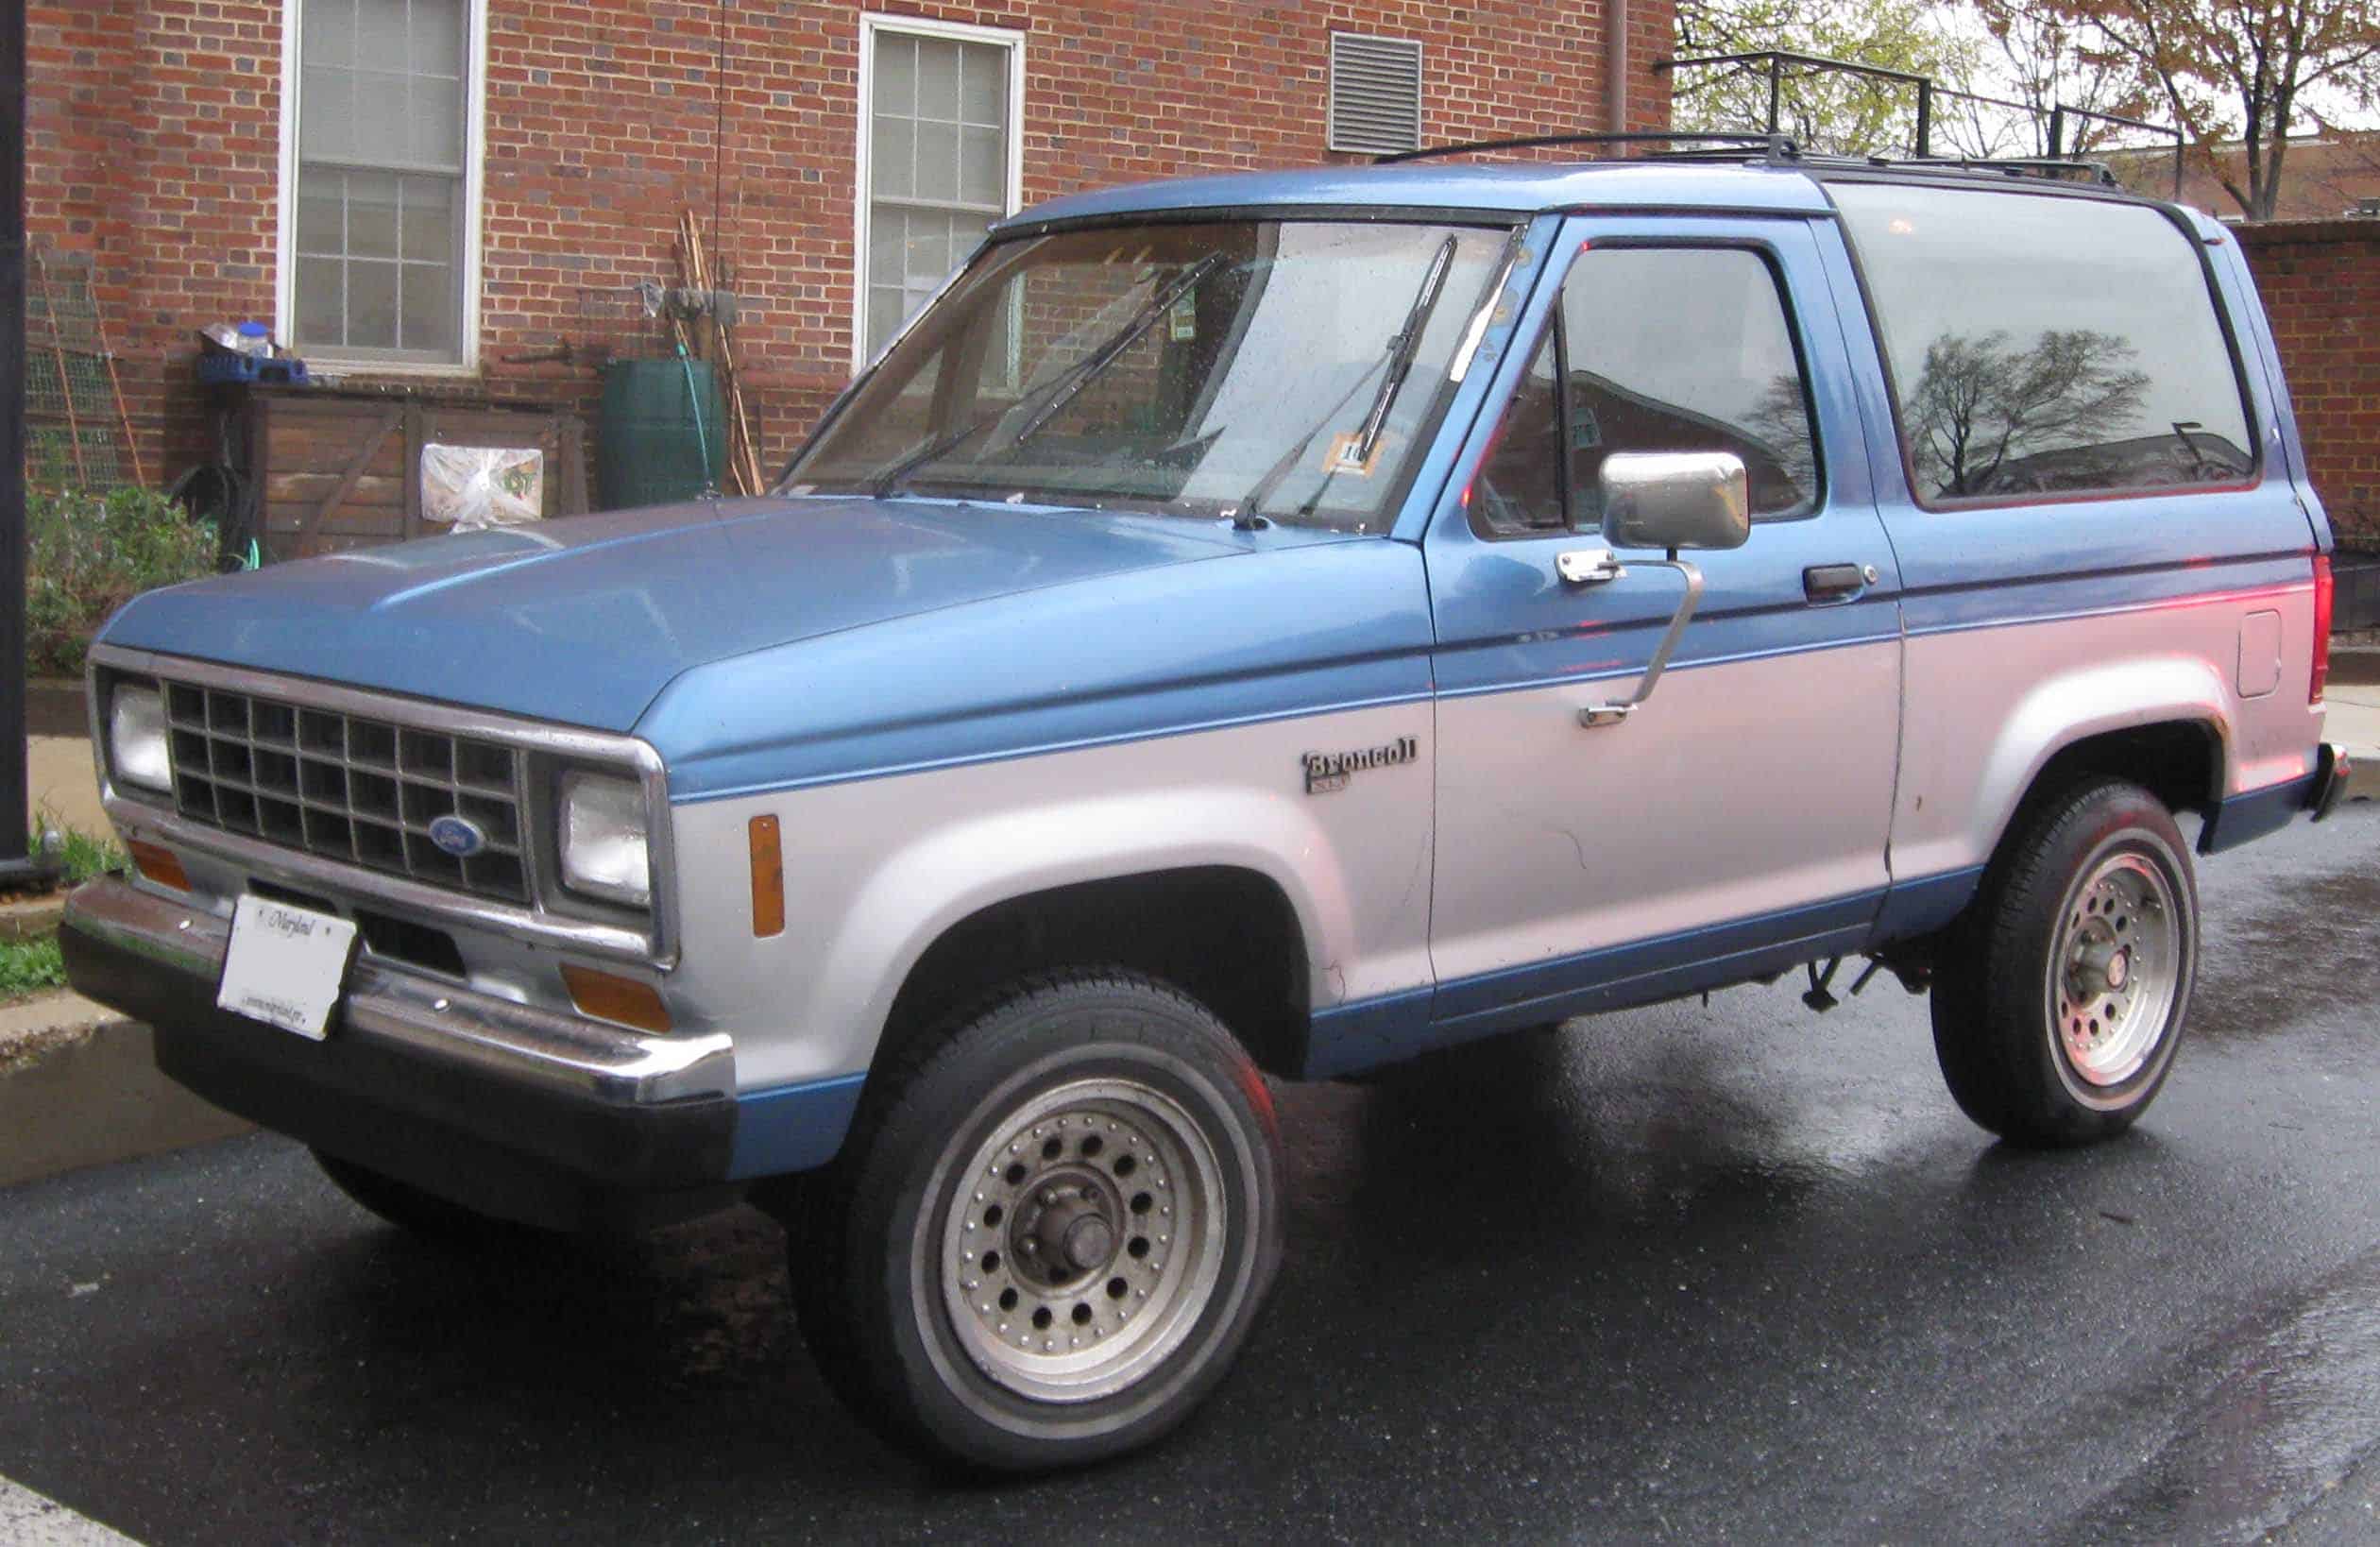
x,y
458,835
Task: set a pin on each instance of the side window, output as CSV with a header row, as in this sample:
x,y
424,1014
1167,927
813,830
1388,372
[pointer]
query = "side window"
x,y
1685,350
1654,349
2043,344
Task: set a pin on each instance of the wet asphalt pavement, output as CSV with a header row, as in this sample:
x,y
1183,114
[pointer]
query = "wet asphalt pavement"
x,y
1735,1273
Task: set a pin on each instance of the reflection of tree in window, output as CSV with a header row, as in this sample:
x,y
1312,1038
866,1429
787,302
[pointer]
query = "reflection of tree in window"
x,y
1988,417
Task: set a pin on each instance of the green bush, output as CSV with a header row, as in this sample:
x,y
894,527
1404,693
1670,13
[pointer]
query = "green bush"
x,y
87,554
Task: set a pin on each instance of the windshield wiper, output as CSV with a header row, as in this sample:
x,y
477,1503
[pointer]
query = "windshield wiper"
x,y
1402,347
1059,389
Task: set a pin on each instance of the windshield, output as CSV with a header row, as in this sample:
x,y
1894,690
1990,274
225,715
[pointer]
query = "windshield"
x,y
1291,370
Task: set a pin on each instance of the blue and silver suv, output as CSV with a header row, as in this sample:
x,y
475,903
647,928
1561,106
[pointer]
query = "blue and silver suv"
x,y
1262,625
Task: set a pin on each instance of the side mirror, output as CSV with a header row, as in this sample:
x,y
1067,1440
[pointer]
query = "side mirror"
x,y
1674,499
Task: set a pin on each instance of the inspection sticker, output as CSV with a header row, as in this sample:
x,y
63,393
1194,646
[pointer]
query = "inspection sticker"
x,y
285,965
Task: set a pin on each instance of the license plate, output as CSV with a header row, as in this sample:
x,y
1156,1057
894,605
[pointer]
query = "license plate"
x,y
285,965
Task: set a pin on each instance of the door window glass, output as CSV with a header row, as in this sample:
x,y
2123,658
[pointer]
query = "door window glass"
x,y
1654,349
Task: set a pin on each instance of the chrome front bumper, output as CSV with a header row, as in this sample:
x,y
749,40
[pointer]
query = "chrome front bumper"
x,y
516,1110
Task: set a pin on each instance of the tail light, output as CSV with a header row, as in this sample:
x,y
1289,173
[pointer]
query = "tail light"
x,y
2322,584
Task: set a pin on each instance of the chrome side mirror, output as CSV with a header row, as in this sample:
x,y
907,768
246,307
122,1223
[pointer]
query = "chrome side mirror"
x,y
1674,499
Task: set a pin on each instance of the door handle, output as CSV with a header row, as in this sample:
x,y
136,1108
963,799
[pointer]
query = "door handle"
x,y
1836,582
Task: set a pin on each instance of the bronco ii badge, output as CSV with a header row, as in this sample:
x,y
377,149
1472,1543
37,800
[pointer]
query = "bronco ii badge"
x,y
1328,771
458,835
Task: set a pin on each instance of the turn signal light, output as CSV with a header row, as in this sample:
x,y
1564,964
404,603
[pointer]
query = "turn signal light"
x,y
157,863
767,879
623,1001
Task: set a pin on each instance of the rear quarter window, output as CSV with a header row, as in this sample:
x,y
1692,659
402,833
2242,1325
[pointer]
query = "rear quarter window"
x,y
2043,347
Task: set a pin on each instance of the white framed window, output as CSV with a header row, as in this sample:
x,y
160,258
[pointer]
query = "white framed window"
x,y
940,158
379,245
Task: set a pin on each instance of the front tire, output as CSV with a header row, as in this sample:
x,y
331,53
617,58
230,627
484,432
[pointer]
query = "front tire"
x,y
1049,1230
2061,996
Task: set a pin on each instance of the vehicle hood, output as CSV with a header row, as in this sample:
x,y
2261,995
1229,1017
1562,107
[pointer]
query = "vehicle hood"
x,y
586,621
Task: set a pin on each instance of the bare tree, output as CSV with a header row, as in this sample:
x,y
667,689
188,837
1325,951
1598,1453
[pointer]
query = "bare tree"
x,y
2262,71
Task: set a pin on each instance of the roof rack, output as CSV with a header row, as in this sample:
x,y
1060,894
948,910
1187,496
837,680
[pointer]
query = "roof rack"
x,y
2013,166
1775,146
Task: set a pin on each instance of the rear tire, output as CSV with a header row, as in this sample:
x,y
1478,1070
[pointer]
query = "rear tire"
x,y
1049,1230
2061,998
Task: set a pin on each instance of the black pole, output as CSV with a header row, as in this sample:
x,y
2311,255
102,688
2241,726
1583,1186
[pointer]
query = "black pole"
x,y
1925,119
13,861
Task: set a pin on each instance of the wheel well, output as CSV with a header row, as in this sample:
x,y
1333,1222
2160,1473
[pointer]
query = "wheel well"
x,y
1225,936
2180,761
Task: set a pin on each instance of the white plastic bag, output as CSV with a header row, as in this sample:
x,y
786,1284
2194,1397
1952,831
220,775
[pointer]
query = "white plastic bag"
x,y
472,488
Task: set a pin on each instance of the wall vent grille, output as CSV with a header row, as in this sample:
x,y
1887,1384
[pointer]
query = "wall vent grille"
x,y
1375,93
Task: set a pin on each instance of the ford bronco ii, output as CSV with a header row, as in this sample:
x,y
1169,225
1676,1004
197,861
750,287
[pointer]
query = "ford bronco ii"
x,y
1256,625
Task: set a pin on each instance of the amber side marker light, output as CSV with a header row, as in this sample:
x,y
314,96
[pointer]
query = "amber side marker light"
x,y
767,879
158,864
622,1000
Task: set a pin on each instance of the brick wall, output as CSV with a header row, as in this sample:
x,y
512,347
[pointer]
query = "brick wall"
x,y
153,125
2320,282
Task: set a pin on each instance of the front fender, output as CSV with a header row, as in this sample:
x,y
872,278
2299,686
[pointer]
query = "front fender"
x,y
878,870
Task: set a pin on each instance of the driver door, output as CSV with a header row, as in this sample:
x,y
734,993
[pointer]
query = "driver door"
x,y
1736,822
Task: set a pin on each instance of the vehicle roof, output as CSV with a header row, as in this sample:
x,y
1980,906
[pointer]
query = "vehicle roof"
x,y
1518,190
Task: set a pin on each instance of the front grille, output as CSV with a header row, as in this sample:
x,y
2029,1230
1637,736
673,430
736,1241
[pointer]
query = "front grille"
x,y
347,787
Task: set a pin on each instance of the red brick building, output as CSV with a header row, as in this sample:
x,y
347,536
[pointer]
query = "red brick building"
x,y
2320,283
415,189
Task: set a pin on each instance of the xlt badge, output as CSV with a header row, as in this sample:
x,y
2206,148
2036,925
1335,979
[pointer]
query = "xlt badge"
x,y
1328,771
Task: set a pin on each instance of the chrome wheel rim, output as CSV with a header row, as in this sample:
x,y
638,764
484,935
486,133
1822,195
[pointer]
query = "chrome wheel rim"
x,y
2114,969
1082,1239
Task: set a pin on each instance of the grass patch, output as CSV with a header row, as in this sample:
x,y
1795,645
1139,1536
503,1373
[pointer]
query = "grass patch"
x,y
87,857
30,966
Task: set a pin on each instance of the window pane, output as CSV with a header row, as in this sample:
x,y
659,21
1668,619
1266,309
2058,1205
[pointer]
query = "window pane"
x,y
892,157
329,32
984,85
371,215
371,306
884,315
1519,489
1684,350
895,73
427,226
936,160
2043,344
937,79
438,37
381,112
437,120
321,215
429,309
325,112
888,242
928,258
380,33
320,302
983,173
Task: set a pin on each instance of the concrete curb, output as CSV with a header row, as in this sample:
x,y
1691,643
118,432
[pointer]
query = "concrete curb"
x,y
29,918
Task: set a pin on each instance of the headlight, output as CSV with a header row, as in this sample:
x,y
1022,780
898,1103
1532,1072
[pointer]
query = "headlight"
x,y
603,839
136,739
